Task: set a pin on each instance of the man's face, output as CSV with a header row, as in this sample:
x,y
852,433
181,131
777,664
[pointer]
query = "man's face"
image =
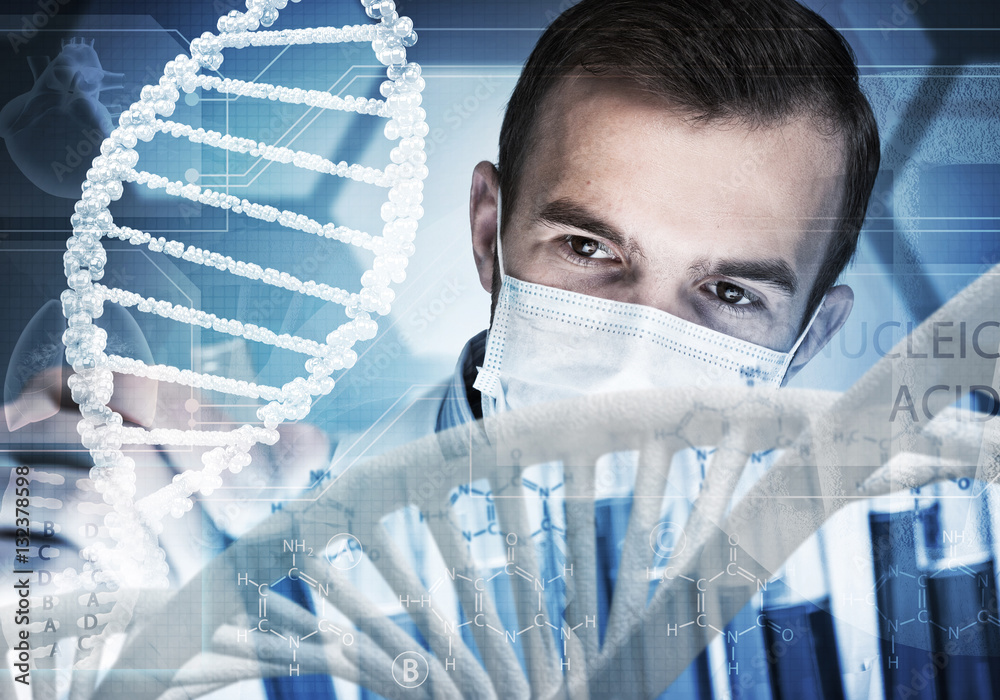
x,y
719,224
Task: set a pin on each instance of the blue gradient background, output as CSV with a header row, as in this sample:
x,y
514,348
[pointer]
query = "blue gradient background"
x,y
932,70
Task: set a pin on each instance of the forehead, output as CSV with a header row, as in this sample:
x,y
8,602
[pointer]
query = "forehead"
x,y
661,174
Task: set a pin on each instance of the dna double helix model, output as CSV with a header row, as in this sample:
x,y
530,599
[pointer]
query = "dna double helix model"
x,y
133,558
510,645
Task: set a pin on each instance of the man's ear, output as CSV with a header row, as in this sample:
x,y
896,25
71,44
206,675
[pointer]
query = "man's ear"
x,y
483,217
836,308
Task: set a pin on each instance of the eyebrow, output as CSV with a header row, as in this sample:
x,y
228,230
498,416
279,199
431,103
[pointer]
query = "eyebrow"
x,y
565,212
774,272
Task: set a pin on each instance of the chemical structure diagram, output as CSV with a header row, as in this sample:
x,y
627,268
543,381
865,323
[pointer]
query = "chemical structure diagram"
x,y
667,541
343,552
544,500
510,569
939,593
476,504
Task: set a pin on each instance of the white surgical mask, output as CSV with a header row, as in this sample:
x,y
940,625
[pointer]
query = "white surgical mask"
x,y
547,344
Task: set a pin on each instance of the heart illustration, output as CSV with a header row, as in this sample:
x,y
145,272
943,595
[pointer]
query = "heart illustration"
x,y
54,130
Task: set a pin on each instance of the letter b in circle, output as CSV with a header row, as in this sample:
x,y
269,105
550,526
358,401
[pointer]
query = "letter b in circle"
x,y
410,669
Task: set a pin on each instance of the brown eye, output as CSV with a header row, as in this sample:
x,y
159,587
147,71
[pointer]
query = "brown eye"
x,y
588,247
731,294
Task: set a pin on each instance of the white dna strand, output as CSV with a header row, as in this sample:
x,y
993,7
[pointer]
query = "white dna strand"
x,y
134,558
817,474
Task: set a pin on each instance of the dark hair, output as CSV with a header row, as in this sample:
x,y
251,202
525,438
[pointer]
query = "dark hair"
x,y
755,62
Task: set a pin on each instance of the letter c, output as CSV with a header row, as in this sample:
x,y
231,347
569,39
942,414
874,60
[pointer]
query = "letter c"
x,y
878,333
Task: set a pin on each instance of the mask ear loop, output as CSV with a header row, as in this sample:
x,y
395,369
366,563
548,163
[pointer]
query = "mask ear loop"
x,y
487,382
499,246
802,336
